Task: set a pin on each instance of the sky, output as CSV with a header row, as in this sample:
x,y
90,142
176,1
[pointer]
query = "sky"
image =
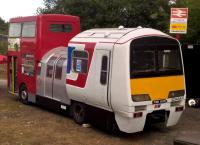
x,y
15,8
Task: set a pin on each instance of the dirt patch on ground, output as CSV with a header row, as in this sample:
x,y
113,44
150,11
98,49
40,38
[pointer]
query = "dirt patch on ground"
x,y
31,125
3,71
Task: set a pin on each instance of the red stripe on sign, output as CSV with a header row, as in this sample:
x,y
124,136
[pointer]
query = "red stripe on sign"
x,y
82,78
179,13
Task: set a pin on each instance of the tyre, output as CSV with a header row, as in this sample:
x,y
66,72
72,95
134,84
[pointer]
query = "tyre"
x,y
23,94
111,125
79,112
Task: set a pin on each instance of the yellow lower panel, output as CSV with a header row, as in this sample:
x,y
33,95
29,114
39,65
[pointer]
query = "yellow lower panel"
x,y
157,87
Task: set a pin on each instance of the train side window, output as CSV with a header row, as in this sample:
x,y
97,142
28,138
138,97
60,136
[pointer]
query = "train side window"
x,y
80,61
104,70
66,28
28,29
59,67
50,66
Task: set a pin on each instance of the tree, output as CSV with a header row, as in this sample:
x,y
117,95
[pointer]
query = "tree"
x,y
193,32
3,27
3,38
112,13
129,13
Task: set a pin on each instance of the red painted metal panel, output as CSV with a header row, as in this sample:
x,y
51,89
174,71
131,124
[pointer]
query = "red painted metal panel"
x,y
43,41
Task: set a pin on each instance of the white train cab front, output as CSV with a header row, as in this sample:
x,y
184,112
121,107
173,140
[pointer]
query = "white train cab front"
x,y
148,83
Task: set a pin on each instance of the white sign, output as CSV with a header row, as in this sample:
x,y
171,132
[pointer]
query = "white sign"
x,y
178,20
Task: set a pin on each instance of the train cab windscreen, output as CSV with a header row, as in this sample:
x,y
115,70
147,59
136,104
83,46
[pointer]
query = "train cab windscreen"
x,y
155,56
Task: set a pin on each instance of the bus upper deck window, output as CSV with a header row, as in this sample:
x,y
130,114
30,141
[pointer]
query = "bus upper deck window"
x,y
28,29
66,28
15,30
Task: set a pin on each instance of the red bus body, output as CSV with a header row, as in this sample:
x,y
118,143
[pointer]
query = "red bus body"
x,y
51,31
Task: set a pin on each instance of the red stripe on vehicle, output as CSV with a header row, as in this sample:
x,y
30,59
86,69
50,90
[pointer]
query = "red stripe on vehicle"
x,y
82,78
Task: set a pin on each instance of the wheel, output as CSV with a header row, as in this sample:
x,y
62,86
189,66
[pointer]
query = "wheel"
x,y
111,125
79,112
23,94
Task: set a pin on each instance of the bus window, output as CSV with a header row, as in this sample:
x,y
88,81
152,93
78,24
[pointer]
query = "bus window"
x,y
50,64
28,29
15,30
80,61
66,28
28,64
59,67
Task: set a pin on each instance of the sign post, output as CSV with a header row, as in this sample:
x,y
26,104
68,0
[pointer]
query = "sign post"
x,y
178,20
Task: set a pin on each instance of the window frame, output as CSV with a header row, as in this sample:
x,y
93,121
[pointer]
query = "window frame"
x,y
58,66
50,65
64,24
104,81
35,29
79,58
157,72
20,30
24,65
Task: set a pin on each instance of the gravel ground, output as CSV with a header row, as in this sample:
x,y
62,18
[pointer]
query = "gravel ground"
x,y
31,125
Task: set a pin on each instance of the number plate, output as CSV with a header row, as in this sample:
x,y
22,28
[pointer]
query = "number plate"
x,y
159,101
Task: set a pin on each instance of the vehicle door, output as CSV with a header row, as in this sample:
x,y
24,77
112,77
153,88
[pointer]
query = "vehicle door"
x,y
59,81
49,77
101,81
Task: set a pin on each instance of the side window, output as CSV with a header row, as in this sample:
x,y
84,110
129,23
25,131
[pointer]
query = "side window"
x,y
80,61
50,66
28,64
104,70
39,68
28,29
59,67
66,28
15,30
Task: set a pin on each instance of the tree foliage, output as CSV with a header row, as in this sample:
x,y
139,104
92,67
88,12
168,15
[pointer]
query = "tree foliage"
x,y
112,13
193,33
3,47
130,13
3,39
3,27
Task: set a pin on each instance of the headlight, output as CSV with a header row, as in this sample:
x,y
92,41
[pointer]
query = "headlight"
x,y
141,97
178,93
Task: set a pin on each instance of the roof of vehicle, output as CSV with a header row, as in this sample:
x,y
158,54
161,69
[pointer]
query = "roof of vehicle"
x,y
33,18
116,35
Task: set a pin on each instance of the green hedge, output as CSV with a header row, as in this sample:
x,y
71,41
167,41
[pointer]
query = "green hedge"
x,y
3,46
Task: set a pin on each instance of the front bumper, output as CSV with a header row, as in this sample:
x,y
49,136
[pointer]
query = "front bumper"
x,y
127,123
